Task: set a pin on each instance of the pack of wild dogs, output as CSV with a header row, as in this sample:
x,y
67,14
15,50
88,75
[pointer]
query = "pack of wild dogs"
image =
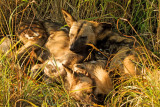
x,y
87,55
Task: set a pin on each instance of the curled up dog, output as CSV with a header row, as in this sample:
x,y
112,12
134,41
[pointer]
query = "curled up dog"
x,y
67,48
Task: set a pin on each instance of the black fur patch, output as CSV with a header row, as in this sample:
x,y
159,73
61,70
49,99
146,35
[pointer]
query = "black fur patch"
x,y
79,29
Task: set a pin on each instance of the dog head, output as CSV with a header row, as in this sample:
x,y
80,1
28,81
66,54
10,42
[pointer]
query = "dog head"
x,y
83,32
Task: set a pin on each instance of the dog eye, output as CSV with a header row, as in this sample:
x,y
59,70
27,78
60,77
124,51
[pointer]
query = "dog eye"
x,y
83,37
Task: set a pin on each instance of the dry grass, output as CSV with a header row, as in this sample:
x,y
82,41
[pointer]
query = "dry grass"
x,y
17,89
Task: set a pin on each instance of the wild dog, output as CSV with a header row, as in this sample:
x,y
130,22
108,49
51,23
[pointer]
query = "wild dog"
x,y
97,72
64,51
96,69
103,83
58,47
88,81
42,41
83,32
71,54
33,36
79,86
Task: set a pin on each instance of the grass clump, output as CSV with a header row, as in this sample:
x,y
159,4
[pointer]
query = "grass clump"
x,y
18,89
137,92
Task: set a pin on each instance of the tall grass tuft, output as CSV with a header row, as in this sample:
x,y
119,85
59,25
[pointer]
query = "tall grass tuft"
x,y
18,89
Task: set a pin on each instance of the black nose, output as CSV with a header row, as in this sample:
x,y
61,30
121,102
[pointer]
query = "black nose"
x,y
72,48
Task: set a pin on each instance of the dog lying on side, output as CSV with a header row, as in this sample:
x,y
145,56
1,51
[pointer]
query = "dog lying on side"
x,y
69,47
33,36
83,32
58,47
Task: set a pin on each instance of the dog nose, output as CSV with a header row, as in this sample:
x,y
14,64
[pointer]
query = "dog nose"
x,y
72,47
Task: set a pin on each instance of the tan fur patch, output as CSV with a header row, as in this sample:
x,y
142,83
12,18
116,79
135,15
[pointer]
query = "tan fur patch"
x,y
83,32
58,43
33,36
80,87
97,72
129,66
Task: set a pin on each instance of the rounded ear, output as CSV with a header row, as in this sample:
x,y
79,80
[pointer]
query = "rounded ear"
x,y
102,29
106,25
68,18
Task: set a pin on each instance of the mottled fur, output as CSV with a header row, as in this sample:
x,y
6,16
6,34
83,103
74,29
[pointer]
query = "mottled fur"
x,y
57,51
33,36
83,32
96,70
58,47
79,86
69,48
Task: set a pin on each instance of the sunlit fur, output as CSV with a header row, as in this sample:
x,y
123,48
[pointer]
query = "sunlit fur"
x,y
57,51
83,32
58,41
69,48
33,36
97,71
80,87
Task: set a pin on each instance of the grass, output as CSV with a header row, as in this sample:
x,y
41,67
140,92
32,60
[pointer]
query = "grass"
x,y
137,92
18,89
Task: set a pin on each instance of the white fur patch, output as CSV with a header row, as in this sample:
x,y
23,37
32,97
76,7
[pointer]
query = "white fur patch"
x,y
27,36
93,62
36,34
51,62
31,37
73,29
46,70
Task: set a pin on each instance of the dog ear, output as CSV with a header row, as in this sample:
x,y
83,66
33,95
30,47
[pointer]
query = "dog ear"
x,y
101,29
68,18
106,25
71,78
